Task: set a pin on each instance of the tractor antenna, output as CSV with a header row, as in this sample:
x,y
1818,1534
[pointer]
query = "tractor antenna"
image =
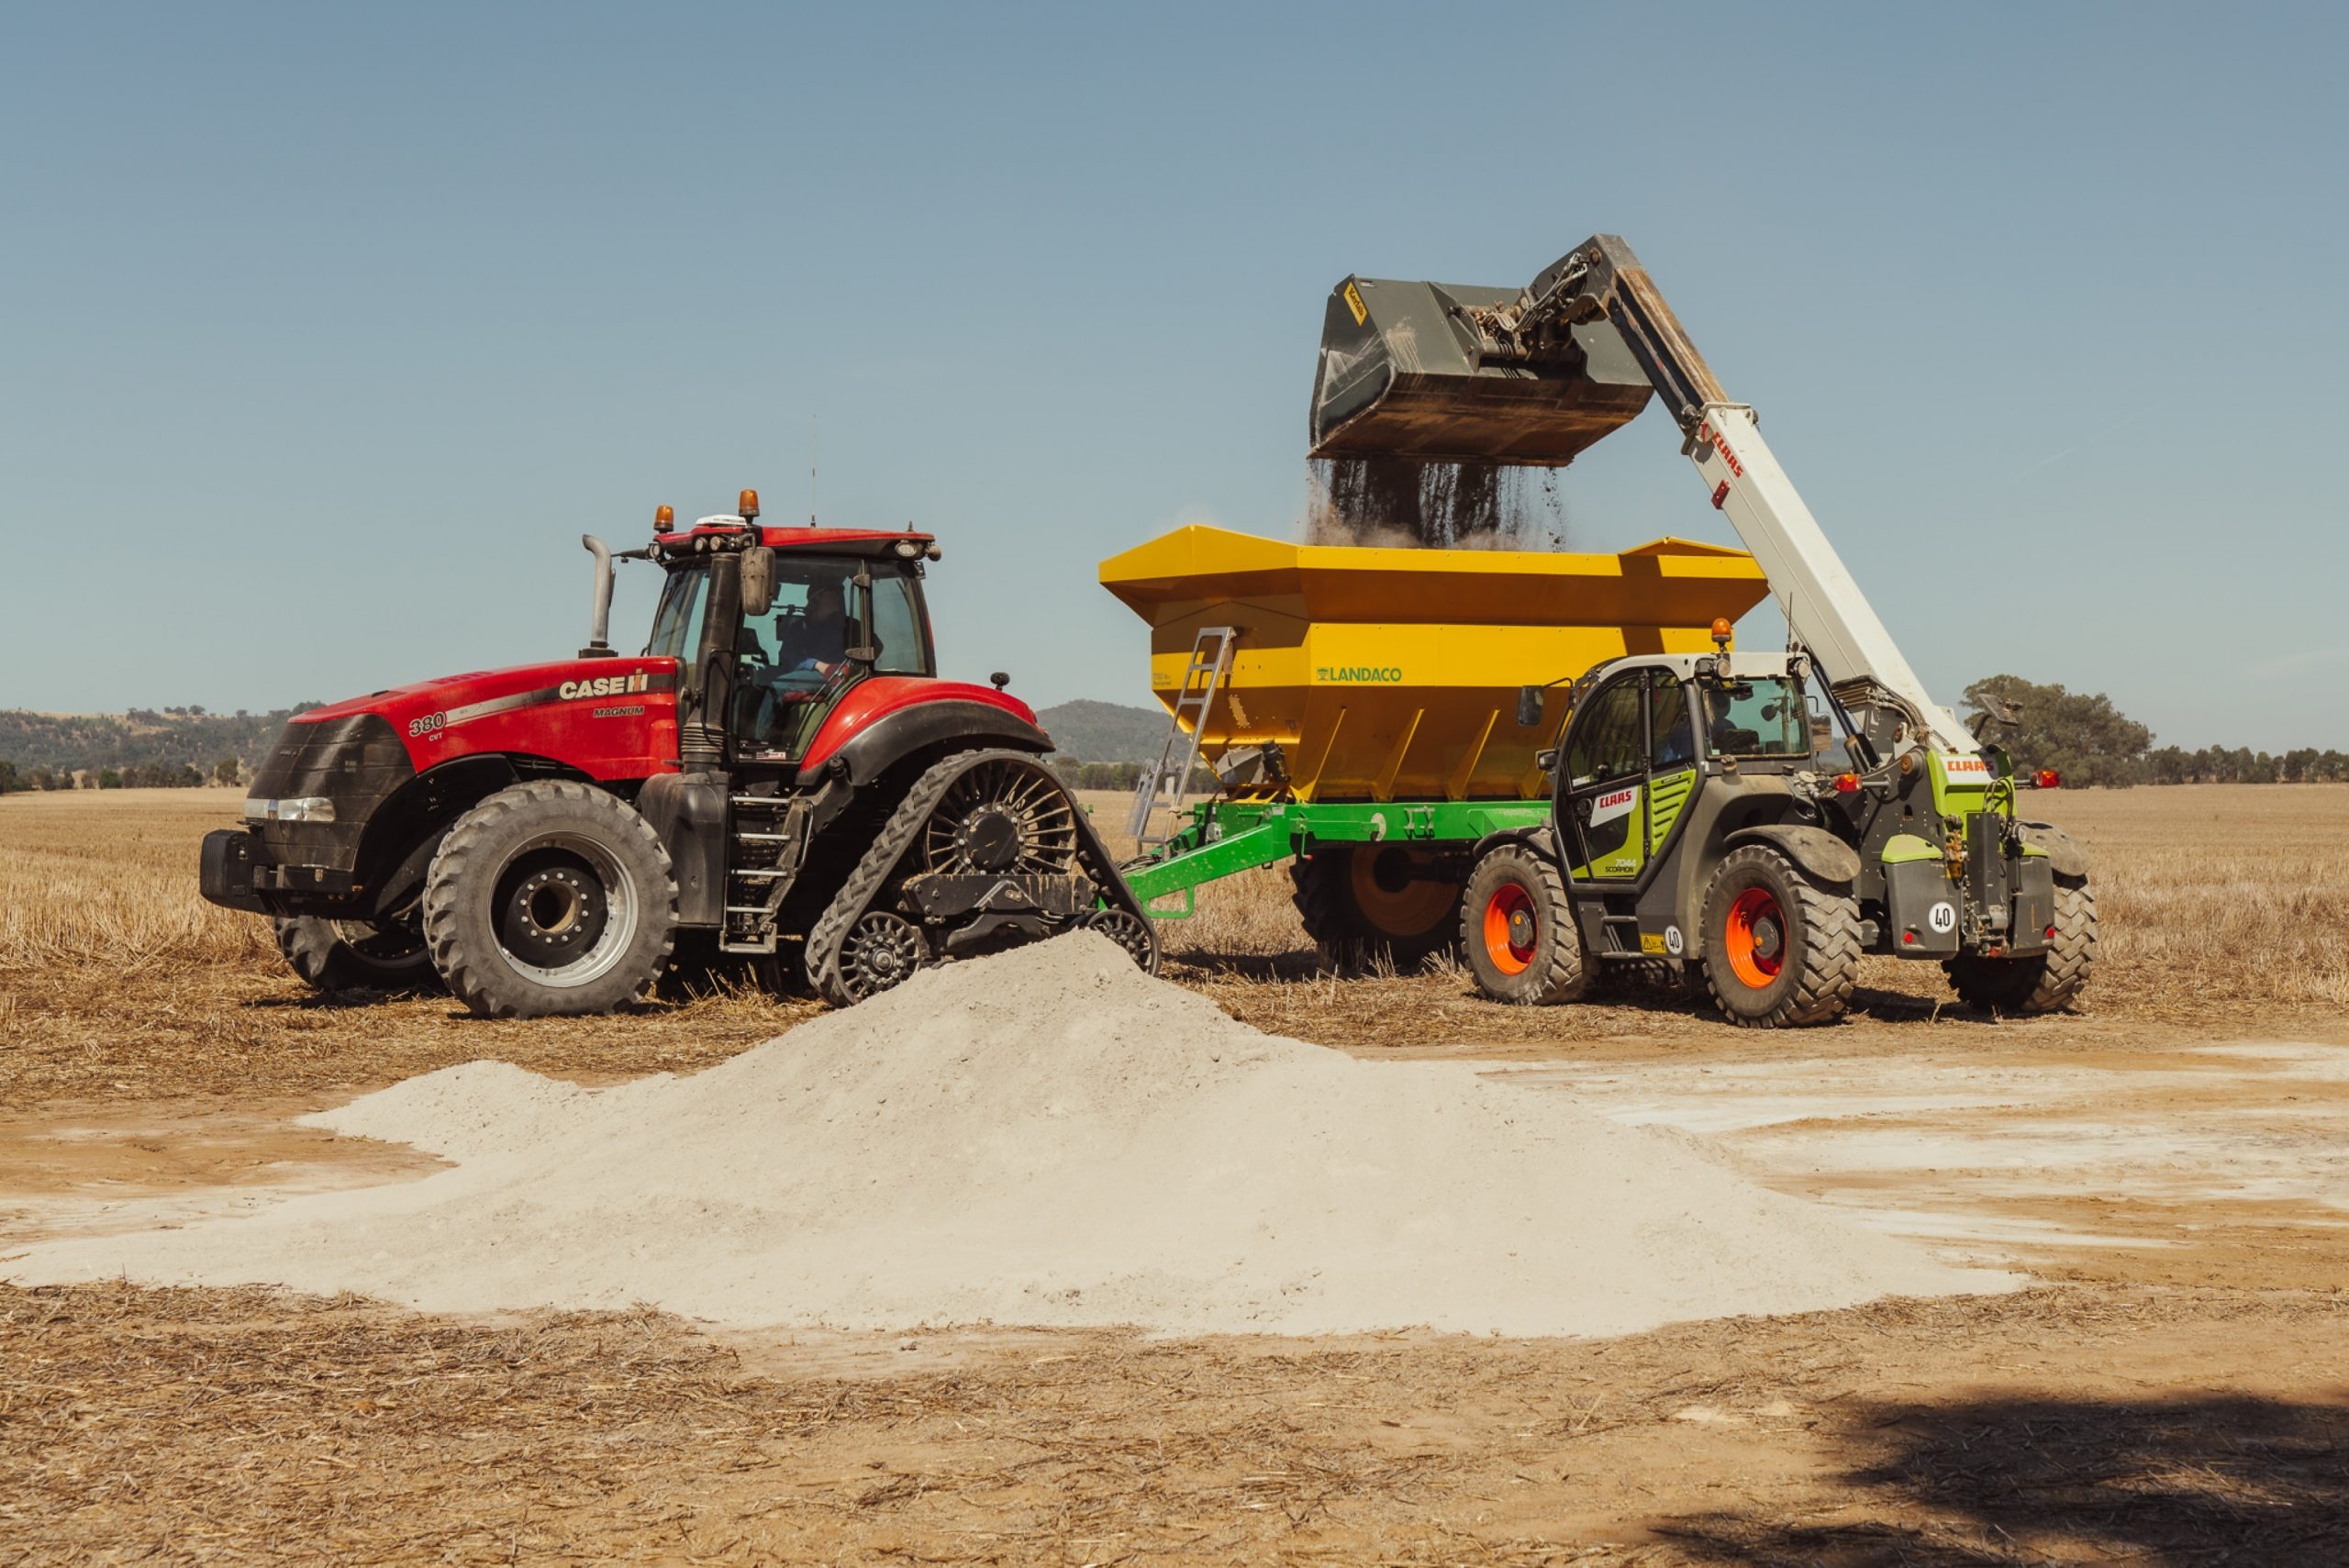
x,y
811,471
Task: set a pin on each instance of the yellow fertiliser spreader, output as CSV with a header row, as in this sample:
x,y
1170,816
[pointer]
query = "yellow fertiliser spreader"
x,y
1359,704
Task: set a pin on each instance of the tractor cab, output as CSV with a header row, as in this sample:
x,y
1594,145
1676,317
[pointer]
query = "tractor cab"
x,y
774,627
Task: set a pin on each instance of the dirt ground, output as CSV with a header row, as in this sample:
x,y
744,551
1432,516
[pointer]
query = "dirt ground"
x,y
2166,1164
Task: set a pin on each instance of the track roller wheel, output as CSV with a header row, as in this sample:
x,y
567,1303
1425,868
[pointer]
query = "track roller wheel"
x,y
1130,931
2042,982
883,949
1780,950
1517,924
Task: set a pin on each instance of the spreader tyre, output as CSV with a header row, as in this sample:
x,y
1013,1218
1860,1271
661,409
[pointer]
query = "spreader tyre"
x,y
2043,982
550,898
346,955
1781,951
1518,928
1361,901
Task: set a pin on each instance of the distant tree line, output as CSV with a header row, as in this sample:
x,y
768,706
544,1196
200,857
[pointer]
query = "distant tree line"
x,y
143,749
2087,739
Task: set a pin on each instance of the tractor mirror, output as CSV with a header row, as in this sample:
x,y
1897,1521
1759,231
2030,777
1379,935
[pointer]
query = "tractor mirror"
x,y
864,653
758,581
1529,706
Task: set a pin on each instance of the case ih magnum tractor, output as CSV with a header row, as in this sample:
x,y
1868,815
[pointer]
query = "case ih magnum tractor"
x,y
780,768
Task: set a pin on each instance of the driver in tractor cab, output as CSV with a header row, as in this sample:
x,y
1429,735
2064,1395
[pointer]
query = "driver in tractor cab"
x,y
817,639
788,660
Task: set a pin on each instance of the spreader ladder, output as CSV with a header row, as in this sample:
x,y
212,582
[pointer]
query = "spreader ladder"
x,y
1164,785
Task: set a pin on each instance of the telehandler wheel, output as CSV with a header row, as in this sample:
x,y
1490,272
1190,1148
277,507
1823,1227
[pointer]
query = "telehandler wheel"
x,y
1780,950
344,955
2043,982
550,898
1518,927
1361,900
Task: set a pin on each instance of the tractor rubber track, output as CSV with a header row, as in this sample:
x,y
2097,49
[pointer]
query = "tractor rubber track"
x,y
874,870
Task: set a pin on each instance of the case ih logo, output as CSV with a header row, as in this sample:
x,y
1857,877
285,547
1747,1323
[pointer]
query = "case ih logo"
x,y
605,686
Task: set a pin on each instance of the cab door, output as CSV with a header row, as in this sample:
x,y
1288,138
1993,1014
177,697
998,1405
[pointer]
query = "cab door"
x,y
1602,783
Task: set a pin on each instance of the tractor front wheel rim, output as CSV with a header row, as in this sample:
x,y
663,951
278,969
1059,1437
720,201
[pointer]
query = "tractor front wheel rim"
x,y
565,910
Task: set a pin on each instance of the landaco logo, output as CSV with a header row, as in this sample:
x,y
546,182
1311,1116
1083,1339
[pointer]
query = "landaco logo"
x,y
1387,674
605,686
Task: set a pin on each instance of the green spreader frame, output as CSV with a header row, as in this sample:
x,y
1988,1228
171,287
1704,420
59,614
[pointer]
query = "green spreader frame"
x,y
1226,837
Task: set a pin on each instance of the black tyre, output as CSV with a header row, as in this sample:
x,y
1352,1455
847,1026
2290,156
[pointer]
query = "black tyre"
x,y
2043,982
1362,900
1517,926
349,955
550,898
1781,951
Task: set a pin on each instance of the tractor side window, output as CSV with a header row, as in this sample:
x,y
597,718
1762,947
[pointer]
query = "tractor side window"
x,y
1671,730
1607,741
677,620
1758,718
898,626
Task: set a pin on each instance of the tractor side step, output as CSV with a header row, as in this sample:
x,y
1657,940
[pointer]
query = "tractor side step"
x,y
766,838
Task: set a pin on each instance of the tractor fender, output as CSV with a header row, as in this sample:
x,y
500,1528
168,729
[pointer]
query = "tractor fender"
x,y
935,723
1816,850
2066,856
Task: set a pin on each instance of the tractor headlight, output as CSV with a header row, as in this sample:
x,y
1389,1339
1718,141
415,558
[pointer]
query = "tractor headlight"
x,y
293,808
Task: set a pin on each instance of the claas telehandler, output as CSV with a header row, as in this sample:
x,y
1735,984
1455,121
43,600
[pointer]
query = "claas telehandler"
x,y
1706,816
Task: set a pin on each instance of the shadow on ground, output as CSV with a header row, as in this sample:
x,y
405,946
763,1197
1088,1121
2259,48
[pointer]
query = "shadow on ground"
x,y
2191,1482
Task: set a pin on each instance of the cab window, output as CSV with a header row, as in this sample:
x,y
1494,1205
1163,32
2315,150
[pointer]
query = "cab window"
x,y
677,620
1756,718
1608,742
1671,732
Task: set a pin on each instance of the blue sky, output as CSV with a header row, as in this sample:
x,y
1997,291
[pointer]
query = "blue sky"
x,y
328,331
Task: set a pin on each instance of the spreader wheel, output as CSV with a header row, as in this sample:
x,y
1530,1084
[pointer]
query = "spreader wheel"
x,y
2043,982
1360,901
1517,926
1780,950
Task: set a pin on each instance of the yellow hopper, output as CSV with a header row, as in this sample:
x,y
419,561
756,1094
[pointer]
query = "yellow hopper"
x,y
1392,674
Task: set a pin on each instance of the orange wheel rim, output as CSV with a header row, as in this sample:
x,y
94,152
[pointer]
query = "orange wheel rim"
x,y
1510,931
1756,938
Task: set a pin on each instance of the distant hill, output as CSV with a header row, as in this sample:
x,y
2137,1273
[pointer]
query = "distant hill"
x,y
63,743
1106,731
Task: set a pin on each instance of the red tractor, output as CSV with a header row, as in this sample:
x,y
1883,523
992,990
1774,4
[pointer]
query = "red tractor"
x,y
781,768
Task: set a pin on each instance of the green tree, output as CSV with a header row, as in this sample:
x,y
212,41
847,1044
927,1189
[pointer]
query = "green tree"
x,y
9,783
2080,734
226,771
109,779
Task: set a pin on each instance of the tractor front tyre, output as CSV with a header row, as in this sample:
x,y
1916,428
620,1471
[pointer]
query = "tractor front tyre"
x,y
1361,900
351,955
2043,982
550,899
1517,924
1780,950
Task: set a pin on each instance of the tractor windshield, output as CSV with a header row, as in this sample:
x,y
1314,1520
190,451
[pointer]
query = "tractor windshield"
x,y
677,621
1756,718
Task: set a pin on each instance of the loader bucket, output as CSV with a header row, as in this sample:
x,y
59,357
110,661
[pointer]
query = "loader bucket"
x,y
1393,674
1402,374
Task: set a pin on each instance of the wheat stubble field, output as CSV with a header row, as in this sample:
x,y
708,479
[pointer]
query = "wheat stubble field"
x,y
2172,1389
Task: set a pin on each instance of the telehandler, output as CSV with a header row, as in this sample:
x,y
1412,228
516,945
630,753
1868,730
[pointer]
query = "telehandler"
x,y
1703,817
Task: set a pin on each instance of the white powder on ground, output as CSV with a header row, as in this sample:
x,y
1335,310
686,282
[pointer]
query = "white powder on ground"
x,y
1047,1137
